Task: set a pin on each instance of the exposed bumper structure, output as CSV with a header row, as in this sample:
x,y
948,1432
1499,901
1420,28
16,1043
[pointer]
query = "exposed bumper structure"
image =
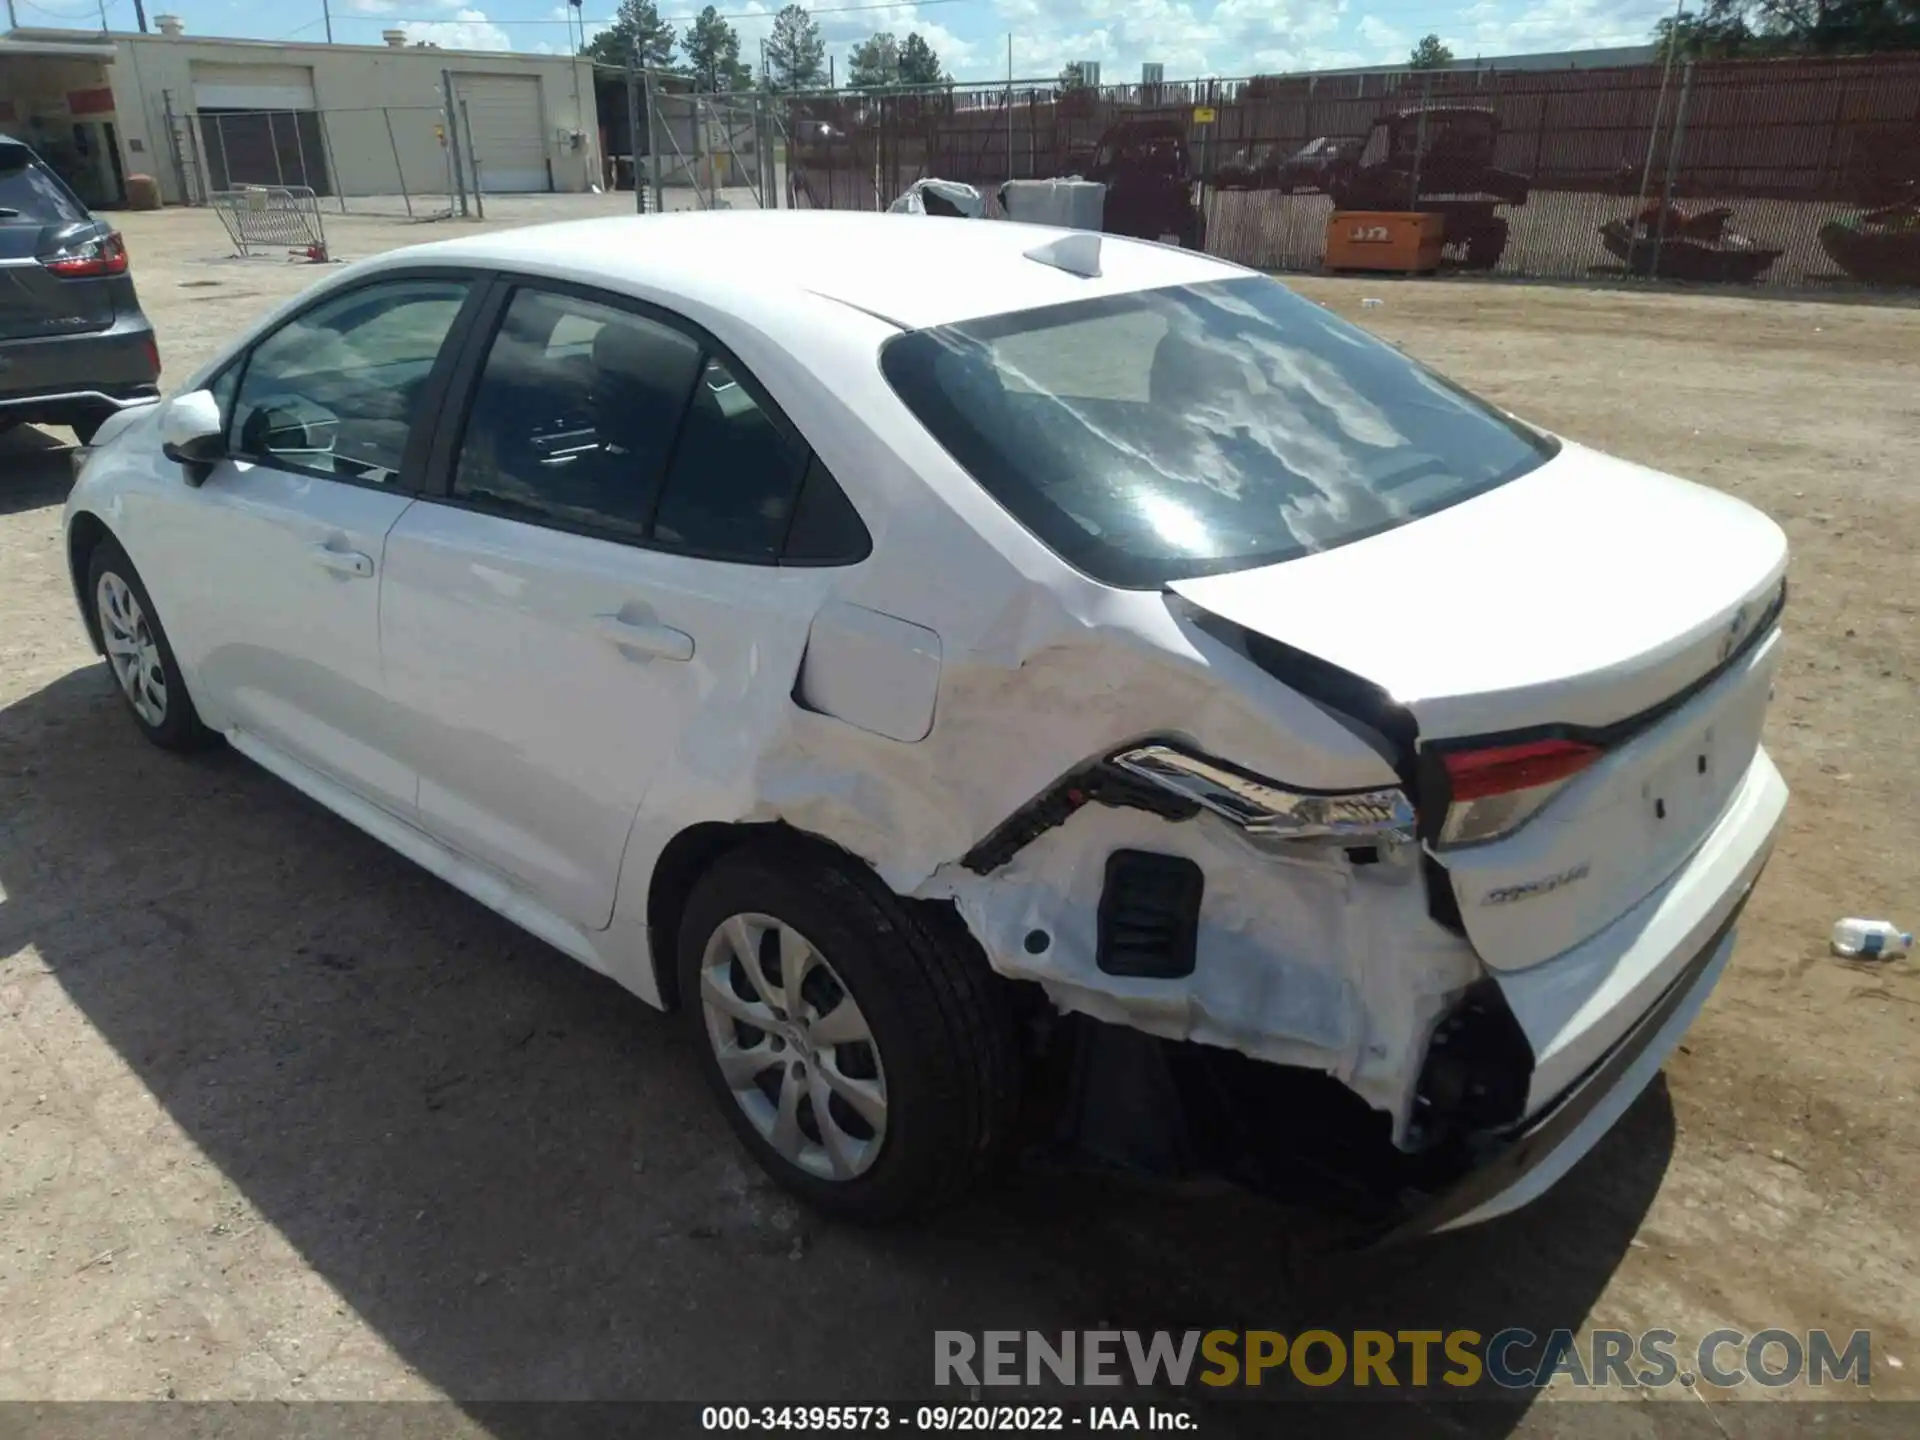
x,y
1523,1165
1603,1019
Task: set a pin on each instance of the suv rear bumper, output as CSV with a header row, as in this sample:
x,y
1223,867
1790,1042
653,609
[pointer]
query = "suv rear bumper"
x,y
60,377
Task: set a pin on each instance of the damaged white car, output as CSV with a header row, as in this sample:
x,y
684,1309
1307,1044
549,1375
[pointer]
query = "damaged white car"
x,y
998,682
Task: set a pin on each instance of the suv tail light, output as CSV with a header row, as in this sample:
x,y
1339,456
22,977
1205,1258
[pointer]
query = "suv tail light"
x,y
105,256
1495,790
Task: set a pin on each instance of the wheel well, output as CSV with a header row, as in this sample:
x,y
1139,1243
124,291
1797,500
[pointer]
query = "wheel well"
x,y
695,850
688,856
83,535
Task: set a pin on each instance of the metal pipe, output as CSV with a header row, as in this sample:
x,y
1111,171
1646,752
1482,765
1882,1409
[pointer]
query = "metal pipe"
x,y
399,170
633,130
654,157
1659,111
473,160
1679,135
455,166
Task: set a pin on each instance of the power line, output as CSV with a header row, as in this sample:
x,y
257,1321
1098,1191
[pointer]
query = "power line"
x,y
725,15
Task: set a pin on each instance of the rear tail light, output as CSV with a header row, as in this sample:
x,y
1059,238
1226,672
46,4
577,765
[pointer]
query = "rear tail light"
x,y
1495,790
105,256
1269,810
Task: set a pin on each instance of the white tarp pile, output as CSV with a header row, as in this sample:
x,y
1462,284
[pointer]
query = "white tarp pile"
x,y
1075,203
940,197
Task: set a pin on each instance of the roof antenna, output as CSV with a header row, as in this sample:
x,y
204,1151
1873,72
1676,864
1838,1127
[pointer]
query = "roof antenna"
x,y
1077,253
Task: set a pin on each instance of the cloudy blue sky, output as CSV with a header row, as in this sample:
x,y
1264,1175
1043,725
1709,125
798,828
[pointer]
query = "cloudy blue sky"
x,y
1189,37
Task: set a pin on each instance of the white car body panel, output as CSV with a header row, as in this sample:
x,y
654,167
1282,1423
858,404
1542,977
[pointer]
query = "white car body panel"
x,y
1575,1006
465,703
1590,644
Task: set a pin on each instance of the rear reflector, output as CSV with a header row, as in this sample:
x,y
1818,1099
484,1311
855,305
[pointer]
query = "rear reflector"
x,y
1495,791
105,256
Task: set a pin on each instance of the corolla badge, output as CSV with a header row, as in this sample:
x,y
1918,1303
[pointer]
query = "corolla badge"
x,y
1545,885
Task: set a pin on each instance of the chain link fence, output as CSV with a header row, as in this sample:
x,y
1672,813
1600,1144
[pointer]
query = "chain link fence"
x,y
1798,173
389,160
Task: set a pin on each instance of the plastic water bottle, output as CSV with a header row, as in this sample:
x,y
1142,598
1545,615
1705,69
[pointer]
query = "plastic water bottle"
x,y
1870,940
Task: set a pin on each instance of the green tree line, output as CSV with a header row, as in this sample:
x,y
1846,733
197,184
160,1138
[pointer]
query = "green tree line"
x,y
795,57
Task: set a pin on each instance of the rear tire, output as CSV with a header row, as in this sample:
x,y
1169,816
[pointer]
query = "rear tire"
x,y
139,654
894,1027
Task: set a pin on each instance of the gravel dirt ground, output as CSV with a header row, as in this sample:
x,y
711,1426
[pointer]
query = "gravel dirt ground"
x,y
282,1118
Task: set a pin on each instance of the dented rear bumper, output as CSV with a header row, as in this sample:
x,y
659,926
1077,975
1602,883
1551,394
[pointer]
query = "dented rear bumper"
x,y
1518,1166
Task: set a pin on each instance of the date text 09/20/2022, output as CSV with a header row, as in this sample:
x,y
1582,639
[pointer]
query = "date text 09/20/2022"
x,y
987,1418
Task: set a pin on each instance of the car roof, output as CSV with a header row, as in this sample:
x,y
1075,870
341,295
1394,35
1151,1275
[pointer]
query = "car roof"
x,y
913,271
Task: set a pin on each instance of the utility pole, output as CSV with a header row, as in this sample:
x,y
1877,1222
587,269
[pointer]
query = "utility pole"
x,y
326,11
139,13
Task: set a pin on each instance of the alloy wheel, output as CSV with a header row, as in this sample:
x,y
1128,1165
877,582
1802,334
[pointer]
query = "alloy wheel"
x,y
131,649
793,1047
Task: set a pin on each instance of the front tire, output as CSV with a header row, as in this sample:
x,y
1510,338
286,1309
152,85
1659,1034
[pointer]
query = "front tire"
x,y
139,654
862,1050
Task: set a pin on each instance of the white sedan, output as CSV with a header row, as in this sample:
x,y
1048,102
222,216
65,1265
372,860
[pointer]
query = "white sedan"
x,y
997,682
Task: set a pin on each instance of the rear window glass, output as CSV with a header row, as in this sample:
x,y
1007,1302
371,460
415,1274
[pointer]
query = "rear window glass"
x,y
1163,434
30,192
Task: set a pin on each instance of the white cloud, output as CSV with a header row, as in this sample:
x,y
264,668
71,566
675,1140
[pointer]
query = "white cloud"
x,y
1231,37
468,30
1389,43
1556,25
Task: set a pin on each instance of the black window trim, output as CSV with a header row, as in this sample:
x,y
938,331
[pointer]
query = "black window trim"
x,y
413,473
464,375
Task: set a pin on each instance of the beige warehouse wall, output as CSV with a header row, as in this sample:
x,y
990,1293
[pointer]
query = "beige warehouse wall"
x,y
352,84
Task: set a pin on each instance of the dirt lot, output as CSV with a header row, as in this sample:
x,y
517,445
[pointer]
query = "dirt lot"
x,y
282,1117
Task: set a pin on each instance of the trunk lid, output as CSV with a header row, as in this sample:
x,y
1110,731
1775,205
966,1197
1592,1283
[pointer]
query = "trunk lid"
x,y
39,216
1591,602
35,303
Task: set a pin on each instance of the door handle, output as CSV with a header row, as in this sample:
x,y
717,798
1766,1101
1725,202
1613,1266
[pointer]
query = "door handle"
x,y
662,641
343,562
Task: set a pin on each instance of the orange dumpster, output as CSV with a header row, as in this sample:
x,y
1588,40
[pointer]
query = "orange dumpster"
x,y
1404,241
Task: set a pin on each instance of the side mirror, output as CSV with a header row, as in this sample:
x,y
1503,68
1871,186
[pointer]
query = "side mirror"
x,y
191,434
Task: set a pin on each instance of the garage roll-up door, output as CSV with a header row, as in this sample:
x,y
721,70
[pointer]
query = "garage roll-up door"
x,y
509,131
252,87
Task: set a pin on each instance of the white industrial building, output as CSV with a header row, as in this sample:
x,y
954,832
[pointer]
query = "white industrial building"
x,y
203,114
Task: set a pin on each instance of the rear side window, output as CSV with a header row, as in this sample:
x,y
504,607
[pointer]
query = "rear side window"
x,y
1163,434
592,418
32,193
735,475
576,415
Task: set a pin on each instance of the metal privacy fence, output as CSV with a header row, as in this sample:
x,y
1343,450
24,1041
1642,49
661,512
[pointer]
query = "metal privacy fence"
x,y
382,160
1799,173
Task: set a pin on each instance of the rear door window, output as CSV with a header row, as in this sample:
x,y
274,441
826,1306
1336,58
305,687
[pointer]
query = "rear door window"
x,y
736,473
32,194
1164,434
575,415
591,417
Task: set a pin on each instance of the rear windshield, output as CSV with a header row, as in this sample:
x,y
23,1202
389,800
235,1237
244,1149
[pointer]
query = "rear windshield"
x,y
30,193
1163,434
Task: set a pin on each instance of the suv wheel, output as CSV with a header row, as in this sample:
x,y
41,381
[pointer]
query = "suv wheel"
x,y
867,1061
138,653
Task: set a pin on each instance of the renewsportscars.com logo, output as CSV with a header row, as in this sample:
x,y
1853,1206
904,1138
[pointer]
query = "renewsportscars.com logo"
x,y
1460,1360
